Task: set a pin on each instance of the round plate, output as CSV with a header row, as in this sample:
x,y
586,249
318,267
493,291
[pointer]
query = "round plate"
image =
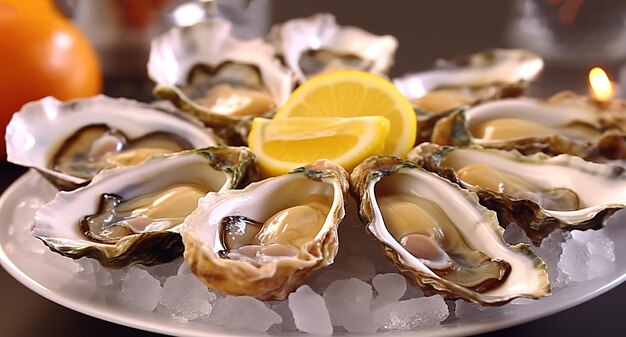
x,y
37,272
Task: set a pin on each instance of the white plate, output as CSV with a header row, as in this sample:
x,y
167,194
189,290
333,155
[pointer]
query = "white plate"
x,y
60,286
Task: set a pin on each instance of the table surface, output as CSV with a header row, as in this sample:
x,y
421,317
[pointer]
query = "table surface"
x,y
426,31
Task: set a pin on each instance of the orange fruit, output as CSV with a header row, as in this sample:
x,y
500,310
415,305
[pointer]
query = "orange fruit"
x,y
43,54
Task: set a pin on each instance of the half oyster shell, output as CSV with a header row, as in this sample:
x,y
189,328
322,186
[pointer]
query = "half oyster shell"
x,y
70,142
440,237
264,240
314,45
467,80
564,123
537,192
133,214
223,80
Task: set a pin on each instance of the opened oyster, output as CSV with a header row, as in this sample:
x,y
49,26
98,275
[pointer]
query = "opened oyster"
x,y
440,237
468,80
133,214
538,192
70,142
564,123
264,240
316,44
222,80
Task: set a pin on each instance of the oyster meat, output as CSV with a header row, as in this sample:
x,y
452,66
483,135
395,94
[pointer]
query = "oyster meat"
x,y
230,88
468,80
134,214
537,192
70,142
564,123
314,45
441,238
265,239
224,81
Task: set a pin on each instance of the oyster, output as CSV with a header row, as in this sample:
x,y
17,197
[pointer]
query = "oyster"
x,y
314,45
538,192
224,81
564,123
133,214
468,80
264,240
440,237
70,142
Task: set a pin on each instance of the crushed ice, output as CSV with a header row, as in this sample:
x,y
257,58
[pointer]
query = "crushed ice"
x,y
361,292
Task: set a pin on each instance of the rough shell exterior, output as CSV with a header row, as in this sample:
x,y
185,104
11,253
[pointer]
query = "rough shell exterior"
x,y
536,222
491,68
56,223
38,129
295,36
276,279
607,118
535,280
175,53
486,75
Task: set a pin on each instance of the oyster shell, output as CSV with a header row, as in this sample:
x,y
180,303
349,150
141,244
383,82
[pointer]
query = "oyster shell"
x,y
468,80
564,123
440,237
264,240
538,192
316,44
223,80
133,214
70,142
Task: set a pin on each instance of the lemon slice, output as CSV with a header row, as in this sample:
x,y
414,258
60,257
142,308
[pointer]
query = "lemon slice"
x,y
282,145
352,93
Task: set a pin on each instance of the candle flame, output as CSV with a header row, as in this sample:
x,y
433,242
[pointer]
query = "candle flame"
x,y
601,86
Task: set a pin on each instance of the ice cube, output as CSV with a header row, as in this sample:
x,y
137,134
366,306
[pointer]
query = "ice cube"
x,y
573,263
390,288
597,243
599,266
185,296
412,313
550,252
586,255
309,312
243,312
348,302
139,289
92,269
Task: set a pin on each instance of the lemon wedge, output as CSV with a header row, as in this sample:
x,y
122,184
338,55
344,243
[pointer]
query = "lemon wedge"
x,y
352,93
282,145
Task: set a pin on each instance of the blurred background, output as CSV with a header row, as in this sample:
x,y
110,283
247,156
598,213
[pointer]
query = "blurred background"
x,y
572,36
